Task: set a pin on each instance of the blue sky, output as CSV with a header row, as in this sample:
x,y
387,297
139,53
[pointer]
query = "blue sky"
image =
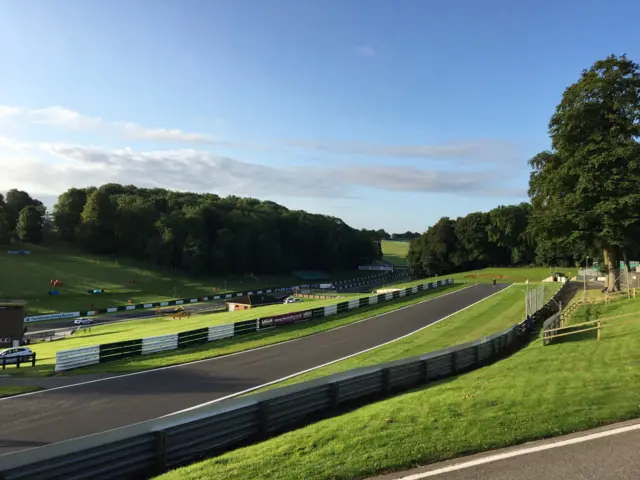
x,y
387,114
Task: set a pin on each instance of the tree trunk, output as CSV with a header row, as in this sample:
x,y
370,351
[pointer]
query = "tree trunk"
x,y
612,259
625,259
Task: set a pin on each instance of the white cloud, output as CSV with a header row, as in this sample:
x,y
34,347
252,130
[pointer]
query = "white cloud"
x,y
477,150
201,171
63,117
69,119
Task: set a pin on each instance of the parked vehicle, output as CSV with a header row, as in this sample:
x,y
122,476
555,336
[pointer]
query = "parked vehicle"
x,y
12,354
293,300
83,321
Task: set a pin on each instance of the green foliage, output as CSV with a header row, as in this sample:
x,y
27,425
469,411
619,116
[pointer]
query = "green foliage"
x,y
584,192
203,234
30,223
474,241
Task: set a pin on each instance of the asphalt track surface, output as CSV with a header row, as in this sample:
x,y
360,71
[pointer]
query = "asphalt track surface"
x,y
55,415
612,457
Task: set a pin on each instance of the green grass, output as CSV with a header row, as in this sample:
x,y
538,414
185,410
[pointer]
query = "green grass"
x,y
395,252
17,390
80,272
490,316
108,333
509,274
539,392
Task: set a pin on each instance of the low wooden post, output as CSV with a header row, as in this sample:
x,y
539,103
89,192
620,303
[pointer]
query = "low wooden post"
x,y
598,338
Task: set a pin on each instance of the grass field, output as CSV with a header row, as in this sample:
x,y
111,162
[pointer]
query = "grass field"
x,y
507,274
395,252
539,392
153,326
31,274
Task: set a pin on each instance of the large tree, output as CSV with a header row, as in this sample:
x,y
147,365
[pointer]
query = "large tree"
x,y
585,191
30,222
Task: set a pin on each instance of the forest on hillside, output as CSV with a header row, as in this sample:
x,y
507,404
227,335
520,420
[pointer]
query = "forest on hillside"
x,y
197,233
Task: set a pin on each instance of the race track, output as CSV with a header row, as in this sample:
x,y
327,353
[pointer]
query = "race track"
x,y
51,416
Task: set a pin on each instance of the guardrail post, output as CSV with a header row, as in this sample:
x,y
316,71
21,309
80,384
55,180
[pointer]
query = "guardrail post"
x,y
18,361
386,380
160,464
33,360
334,395
424,374
263,419
4,362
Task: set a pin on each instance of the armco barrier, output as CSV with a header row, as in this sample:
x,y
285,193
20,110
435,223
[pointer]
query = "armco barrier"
x,y
149,448
343,284
115,351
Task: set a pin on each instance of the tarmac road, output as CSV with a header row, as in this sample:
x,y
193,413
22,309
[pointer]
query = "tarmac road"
x,y
51,416
593,457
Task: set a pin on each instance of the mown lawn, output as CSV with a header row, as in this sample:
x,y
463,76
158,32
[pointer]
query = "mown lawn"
x,y
395,252
115,332
31,274
539,392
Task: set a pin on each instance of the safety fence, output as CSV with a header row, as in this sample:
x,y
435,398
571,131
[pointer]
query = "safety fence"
x,y
150,448
109,352
341,285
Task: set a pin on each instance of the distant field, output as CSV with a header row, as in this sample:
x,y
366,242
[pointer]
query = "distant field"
x,y
508,274
395,252
30,276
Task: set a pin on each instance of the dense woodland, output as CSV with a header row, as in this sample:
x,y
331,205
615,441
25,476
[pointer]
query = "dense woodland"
x,y
584,191
197,233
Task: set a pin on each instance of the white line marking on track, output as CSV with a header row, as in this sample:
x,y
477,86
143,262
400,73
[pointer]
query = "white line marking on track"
x,y
517,453
150,371
233,395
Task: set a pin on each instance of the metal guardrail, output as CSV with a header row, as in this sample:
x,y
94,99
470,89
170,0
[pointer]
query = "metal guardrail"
x,y
82,357
152,447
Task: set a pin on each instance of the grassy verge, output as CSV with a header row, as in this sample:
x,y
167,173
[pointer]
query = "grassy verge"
x,y
10,391
539,392
395,252
46,358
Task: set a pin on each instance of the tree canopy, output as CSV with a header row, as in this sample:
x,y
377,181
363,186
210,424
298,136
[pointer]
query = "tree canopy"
x,y
585,191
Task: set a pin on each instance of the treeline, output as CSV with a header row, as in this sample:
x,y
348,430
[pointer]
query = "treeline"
x,y
22,218
197,233
478,240
396,237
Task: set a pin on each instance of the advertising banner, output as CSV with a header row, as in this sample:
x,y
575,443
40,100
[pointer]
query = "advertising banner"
x,y
284,319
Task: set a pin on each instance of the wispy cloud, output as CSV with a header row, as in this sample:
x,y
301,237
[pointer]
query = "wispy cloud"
x,y
196,170
71,120
477,150
366,51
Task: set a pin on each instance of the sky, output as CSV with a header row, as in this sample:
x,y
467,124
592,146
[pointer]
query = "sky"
x,y
387,114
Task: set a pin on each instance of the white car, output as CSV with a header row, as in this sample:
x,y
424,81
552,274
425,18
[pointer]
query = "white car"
x,y
83,321
12,354
293,300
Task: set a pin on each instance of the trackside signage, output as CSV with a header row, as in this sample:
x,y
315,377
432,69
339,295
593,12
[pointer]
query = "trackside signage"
x,y
53,316
284,319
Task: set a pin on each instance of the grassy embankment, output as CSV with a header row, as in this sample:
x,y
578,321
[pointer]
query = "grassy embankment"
x,y
31,274
395,252
539,392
